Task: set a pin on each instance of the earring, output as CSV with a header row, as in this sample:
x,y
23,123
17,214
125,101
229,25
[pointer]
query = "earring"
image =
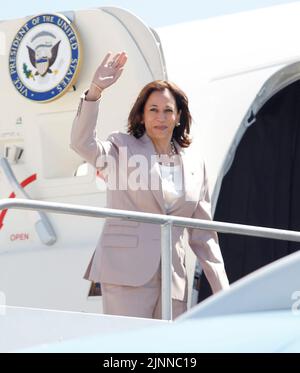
x,y
177,124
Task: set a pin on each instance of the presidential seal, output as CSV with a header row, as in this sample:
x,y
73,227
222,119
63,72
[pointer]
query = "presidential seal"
x,y
44,57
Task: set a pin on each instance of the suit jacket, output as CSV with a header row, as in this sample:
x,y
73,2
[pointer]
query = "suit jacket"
x,y
128,253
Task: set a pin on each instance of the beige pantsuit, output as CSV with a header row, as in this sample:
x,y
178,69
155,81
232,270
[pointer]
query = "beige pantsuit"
x,y
139,301
128,253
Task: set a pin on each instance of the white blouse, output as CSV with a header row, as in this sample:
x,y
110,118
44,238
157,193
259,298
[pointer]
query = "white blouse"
x,y
172,184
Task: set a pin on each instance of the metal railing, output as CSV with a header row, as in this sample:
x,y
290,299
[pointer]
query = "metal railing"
x,y
166,223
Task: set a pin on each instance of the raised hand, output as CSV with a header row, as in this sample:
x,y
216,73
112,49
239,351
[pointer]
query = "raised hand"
x,y
107,73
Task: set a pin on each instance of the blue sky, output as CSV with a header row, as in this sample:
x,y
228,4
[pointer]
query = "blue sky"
x,y
155,13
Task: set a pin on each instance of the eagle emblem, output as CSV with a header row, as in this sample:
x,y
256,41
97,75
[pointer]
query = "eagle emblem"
x,y
43,57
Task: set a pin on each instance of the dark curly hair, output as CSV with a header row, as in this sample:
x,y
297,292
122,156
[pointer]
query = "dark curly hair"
x,y
180,133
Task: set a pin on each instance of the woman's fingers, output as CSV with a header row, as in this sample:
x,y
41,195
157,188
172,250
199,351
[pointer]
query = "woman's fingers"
x,y
121,60
118,60
115,59
110,69
106,58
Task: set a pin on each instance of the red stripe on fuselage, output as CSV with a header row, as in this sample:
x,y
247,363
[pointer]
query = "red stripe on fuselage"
x,y
23,184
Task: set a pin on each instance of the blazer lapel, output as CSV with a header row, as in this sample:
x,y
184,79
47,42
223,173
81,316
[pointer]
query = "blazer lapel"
x,y
154,176
192,179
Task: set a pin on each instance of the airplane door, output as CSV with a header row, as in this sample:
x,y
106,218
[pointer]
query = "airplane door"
x,y
262,187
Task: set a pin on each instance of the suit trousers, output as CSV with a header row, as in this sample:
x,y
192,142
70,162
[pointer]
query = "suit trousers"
x,y
138,301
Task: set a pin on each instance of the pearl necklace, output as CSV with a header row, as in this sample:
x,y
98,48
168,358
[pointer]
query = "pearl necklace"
x,y
173,149
171,152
